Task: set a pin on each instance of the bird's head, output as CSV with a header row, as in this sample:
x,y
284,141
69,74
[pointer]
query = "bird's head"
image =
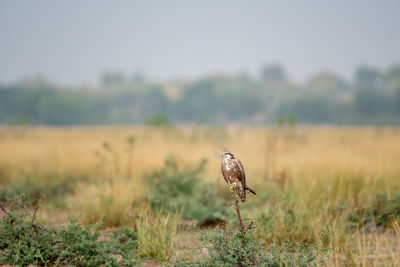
x,y
227,155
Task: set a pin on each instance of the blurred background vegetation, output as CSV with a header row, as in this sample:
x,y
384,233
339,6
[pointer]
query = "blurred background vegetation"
x,y
371,97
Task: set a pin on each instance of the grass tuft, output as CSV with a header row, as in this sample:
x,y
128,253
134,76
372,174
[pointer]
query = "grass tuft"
x,y
156,232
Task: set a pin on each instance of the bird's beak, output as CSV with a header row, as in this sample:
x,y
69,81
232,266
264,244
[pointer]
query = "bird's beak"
x,y
222,155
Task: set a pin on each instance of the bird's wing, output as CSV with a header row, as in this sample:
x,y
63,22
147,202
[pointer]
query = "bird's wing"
x,y
224,171
242,173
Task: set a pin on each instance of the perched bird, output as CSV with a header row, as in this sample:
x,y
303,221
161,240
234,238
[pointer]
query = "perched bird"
x,y
233,173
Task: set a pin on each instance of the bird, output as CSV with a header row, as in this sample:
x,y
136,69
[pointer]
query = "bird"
x,y
233,173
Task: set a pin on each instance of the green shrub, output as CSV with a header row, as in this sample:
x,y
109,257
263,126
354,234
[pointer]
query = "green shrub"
x,y
24,241
182,190
50,186
225,248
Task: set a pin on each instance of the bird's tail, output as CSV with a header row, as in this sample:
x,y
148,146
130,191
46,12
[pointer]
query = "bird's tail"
x,y
250,190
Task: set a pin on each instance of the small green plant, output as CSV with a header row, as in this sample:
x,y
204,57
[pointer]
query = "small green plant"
x,y
25,241
231,247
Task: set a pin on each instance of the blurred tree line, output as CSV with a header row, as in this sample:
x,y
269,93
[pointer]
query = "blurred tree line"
x,y
371,97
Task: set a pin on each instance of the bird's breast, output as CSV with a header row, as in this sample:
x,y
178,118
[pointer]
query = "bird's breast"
x,y
228,165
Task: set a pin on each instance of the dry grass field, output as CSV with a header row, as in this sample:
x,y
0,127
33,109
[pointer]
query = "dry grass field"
x,y
336,190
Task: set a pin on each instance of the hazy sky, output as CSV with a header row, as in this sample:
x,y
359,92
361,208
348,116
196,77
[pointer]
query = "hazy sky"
x,y
74,41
